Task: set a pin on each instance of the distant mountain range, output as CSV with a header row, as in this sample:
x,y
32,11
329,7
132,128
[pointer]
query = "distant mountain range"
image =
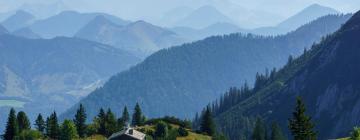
x,y
140,38
308,14
19,20
67,23
203,17
212,30
181,80
54,74
327,80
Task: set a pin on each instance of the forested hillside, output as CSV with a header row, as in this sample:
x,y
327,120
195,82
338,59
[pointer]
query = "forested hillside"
x,y
326,77
40,75
181,80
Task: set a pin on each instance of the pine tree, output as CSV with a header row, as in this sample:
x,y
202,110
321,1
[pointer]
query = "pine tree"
x,y
111,123
138,118
68,131
80,120
53,128
276,132
11,126
259,132
102,122
207,123
300,125
125,115
23,121
40,123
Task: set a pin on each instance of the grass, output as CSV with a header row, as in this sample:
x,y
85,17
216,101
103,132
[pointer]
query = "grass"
x,y
343,139
11,103
194,136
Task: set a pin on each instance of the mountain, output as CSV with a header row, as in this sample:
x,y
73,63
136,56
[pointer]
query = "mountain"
x,y
45,9
307,15
203,17
181,80
212,30
40,75
3,30
170,17
326,78
26,32
67,23
140,38
19,20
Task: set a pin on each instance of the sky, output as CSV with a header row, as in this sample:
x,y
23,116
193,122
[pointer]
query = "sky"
x,y
152,10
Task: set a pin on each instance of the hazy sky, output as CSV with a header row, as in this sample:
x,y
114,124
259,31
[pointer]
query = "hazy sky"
x,y
154,9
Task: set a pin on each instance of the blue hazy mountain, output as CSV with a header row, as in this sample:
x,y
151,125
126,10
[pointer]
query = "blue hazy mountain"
x,y
54,74
26,32
19,20
67,23
306,15
181,80
140,38
212,30
203,17
326,77
44,10
3,30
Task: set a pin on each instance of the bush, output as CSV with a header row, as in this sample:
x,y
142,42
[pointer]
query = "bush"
x,y
182,132
355,134
161,129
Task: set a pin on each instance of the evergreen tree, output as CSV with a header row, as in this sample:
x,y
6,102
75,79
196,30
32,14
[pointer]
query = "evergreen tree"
x,y
102,122
259,132
40,123
11,126
111,123
23,121
68,131
207,123
300,125
80,120
276,132
137,118
53,128
125,115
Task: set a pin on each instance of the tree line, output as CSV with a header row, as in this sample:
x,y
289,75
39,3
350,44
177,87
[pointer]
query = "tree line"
x,y
18,126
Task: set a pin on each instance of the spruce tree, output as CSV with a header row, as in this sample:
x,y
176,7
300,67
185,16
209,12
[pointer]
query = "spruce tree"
x,y
11,126
80,120
300,125
53,129
40,123
207,123
125,116
259,132
276,132
23,121
137,118
111,123
102,122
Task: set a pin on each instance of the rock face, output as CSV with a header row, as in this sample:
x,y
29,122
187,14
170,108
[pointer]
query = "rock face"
x,y
181,80
54,74
327,78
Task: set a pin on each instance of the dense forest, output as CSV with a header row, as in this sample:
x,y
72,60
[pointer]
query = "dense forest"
x,y
181,80
325,78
